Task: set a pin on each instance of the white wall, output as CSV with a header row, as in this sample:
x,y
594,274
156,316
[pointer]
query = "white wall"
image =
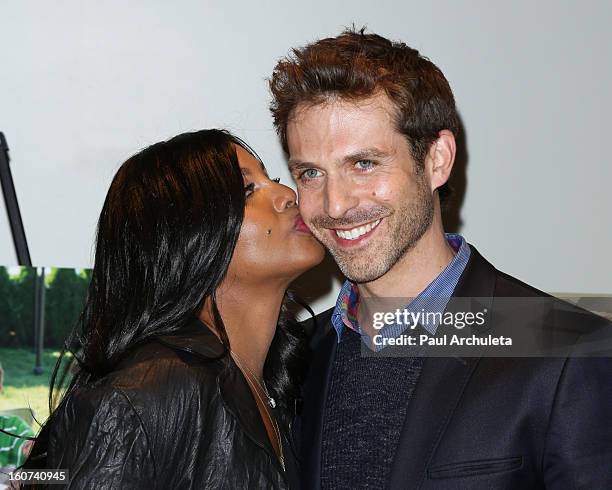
x,y
83,85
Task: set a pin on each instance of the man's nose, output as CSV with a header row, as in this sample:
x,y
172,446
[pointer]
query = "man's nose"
x,y
338,197
284,197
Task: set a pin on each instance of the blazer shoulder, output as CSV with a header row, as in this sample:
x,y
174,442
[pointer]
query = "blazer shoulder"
x,y
510,286
577,325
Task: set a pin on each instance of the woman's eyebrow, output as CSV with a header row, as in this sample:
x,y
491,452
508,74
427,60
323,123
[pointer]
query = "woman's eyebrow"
x,y
264,169
246,172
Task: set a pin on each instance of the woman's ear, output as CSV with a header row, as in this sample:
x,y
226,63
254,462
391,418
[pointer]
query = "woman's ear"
x,y
441,157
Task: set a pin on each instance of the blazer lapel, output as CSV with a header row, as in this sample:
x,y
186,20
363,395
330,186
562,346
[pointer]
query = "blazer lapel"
x,y
438,391
435,397
315,395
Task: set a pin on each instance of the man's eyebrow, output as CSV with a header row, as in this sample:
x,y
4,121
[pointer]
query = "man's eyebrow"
x,y
365,154
297,165
245,171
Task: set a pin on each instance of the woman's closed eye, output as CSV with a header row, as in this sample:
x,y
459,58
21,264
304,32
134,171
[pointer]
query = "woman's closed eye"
x,y
249,189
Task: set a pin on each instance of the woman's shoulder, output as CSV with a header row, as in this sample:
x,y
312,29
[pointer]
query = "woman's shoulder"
x,y
190,355
157,372
142,396
152,380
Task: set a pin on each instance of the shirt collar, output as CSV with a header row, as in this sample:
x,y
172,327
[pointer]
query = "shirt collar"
x,y
433,298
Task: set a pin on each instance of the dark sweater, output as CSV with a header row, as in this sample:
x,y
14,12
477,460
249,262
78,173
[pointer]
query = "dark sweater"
x,y
364,414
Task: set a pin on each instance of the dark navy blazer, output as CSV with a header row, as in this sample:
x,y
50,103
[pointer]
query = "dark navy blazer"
x,y
486,423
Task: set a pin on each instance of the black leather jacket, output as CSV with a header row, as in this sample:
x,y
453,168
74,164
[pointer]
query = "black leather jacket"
x,y
176,414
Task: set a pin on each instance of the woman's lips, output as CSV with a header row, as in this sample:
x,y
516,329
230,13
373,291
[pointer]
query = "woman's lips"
x,y
300,225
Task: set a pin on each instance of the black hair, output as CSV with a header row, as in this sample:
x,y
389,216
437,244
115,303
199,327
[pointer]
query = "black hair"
x,y
165,238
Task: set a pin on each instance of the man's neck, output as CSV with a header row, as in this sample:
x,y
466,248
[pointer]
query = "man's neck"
x,y
415,270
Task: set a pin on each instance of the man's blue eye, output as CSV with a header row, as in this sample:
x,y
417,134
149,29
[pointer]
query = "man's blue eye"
x,y
364,164
311,173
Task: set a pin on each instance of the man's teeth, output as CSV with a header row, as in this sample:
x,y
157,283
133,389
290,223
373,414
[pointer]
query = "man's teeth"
x,y
357,232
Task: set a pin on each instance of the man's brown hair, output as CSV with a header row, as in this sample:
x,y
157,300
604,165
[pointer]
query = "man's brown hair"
x,y
356,65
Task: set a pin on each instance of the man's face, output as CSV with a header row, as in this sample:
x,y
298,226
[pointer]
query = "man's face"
x,y
360,191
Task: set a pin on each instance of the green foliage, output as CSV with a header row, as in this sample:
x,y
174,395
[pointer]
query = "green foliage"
x,y
65,292
64,301
6,313
17,307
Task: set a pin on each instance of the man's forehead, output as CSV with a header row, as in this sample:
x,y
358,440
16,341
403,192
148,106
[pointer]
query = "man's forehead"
x,y
341,131
337,109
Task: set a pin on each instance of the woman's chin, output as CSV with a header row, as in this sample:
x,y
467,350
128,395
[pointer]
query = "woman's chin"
x,y
307,261
288,266
312,255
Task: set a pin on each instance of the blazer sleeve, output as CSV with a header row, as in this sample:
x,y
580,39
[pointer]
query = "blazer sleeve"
x,y
578,452
101,441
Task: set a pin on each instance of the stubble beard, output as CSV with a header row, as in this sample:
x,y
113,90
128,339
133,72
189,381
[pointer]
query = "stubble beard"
x,y
404,229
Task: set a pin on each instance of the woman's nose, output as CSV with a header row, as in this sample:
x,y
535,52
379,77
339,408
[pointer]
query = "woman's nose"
x,y
284,198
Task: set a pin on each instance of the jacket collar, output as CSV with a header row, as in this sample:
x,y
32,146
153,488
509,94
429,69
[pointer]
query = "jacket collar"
x,y
197,338
478,278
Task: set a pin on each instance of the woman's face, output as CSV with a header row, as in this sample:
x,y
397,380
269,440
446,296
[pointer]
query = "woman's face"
x,y
274,243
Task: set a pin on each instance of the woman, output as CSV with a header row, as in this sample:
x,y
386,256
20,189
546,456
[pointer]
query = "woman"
x,y
187,377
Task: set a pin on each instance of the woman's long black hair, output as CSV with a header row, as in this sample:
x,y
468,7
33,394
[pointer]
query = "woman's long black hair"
x,y
165,238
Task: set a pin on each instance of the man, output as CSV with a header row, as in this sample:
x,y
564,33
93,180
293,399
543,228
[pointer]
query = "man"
x,y
369,127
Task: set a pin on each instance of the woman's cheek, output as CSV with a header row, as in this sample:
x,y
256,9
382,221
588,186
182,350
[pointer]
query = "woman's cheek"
x,y
253,242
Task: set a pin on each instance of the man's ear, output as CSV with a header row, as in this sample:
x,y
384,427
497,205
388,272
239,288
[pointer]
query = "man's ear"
x,y
441,156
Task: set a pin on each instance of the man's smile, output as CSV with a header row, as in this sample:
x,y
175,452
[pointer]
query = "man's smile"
x,y
356,234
